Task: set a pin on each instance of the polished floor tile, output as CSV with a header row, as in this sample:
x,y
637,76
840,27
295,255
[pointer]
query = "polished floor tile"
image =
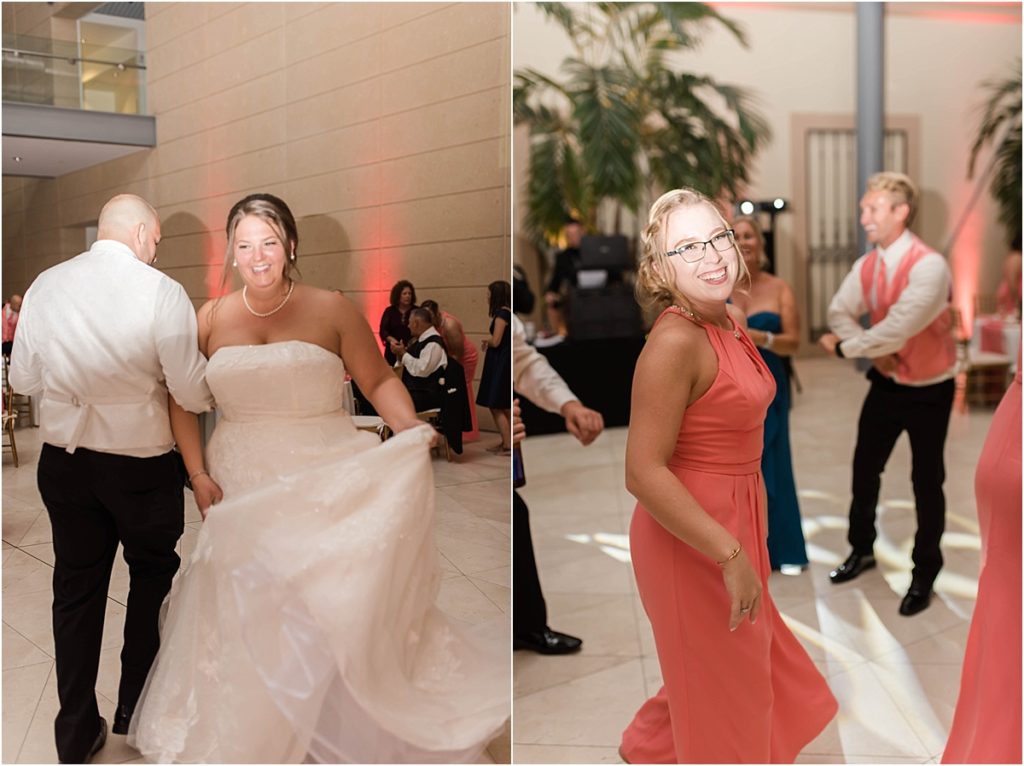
x,y
473,538
896,678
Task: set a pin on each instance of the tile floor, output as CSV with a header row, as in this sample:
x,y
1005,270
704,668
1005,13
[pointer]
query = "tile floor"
x,y
473,535
896,678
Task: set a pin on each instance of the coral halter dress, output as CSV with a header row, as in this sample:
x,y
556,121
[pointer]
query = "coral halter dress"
x,y
748,696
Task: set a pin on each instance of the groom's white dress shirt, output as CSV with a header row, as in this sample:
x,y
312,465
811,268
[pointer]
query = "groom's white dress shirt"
x,y
103,337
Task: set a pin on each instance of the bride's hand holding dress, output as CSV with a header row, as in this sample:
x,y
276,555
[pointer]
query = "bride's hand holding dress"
x,y
185,427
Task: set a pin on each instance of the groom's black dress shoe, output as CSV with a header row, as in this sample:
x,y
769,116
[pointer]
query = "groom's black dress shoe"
x,y
916,600
101,740
122,717
852,567
547,641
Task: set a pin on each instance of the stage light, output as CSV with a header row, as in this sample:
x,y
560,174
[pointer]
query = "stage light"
x,y
747,207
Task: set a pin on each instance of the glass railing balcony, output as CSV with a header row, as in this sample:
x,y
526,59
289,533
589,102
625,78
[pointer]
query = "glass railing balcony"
x,y
38,70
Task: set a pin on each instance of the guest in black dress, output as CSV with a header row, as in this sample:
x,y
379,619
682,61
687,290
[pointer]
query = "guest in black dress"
x,y
495,390
394,322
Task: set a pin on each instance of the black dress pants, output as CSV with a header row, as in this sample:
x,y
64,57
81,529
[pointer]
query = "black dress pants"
x,y
529,612
923,412
94,501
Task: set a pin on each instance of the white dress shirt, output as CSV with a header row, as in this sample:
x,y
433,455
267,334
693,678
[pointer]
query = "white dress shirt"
x,y
431,357
533,376
103,337
924,298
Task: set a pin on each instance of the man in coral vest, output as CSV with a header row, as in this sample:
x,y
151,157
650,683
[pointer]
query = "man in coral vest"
x,y
905,288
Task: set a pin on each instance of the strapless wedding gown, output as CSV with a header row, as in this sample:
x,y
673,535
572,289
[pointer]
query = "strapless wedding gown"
x,y
304,625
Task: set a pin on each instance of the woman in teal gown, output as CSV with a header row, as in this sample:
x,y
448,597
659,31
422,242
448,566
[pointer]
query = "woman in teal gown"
x,y
774,326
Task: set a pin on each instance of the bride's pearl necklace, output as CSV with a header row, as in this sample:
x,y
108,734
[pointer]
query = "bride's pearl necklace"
x,y
280,306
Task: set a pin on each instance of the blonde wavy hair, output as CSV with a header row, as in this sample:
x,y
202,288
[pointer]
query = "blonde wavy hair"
x,y
899,187
655,287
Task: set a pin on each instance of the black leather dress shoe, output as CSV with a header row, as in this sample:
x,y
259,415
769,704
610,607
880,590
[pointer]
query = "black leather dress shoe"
x,y
101,740
122,717
916,600
855,564
547,641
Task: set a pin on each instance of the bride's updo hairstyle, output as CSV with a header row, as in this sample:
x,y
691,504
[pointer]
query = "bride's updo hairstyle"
x,y
655,283
278,216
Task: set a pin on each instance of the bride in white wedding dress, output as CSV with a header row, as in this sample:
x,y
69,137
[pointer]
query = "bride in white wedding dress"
x,y
304,626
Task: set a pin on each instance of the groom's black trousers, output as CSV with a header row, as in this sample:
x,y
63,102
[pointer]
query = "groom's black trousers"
x,y
96,500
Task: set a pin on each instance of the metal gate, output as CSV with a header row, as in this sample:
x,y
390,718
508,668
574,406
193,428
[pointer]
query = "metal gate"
x,y
833,214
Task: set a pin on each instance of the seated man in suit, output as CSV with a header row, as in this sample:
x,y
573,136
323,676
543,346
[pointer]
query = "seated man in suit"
x,y
424,361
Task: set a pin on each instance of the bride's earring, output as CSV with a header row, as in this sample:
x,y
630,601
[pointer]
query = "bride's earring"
x,y
235,264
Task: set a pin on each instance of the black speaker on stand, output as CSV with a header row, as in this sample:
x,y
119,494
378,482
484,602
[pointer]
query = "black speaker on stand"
x,y
601,305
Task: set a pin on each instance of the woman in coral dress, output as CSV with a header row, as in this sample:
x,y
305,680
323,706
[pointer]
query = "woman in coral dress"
x,y
986,726
738,687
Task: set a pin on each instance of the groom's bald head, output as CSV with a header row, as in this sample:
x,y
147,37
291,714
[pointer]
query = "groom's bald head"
x,y
132,221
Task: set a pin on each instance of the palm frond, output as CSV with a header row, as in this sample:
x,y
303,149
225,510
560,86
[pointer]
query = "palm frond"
x,y
561,13
1003,105
608,133
680,14
617,121
1001,121
546,210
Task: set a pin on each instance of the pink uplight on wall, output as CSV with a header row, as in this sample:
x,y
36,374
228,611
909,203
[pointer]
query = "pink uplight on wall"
x,y
965,264
213,258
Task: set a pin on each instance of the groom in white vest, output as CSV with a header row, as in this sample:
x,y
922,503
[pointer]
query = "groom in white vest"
x,y
904,286
102,338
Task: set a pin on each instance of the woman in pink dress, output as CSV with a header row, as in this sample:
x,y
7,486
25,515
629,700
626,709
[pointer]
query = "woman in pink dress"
x,y
738,687
986,725
463,351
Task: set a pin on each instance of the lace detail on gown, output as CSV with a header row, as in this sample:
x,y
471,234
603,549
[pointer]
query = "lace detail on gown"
x,y
304,625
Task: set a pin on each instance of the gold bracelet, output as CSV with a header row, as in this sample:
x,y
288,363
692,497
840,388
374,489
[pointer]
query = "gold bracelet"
x,y
730,557
198,473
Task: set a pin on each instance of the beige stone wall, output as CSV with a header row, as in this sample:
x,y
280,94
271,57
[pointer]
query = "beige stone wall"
x,y
384,126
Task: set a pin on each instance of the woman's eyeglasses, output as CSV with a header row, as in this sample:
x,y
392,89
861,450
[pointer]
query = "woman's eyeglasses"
x,y
694,251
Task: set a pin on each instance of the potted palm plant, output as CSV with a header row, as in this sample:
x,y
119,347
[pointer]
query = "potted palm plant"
x,y
1001,120
621,122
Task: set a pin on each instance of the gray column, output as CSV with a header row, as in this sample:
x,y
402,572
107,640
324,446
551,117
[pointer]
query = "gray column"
x,y
870,97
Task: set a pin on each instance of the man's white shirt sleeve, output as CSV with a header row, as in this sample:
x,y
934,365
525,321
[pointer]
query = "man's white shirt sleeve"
x,y
533,376
924,298
175,331
431,357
